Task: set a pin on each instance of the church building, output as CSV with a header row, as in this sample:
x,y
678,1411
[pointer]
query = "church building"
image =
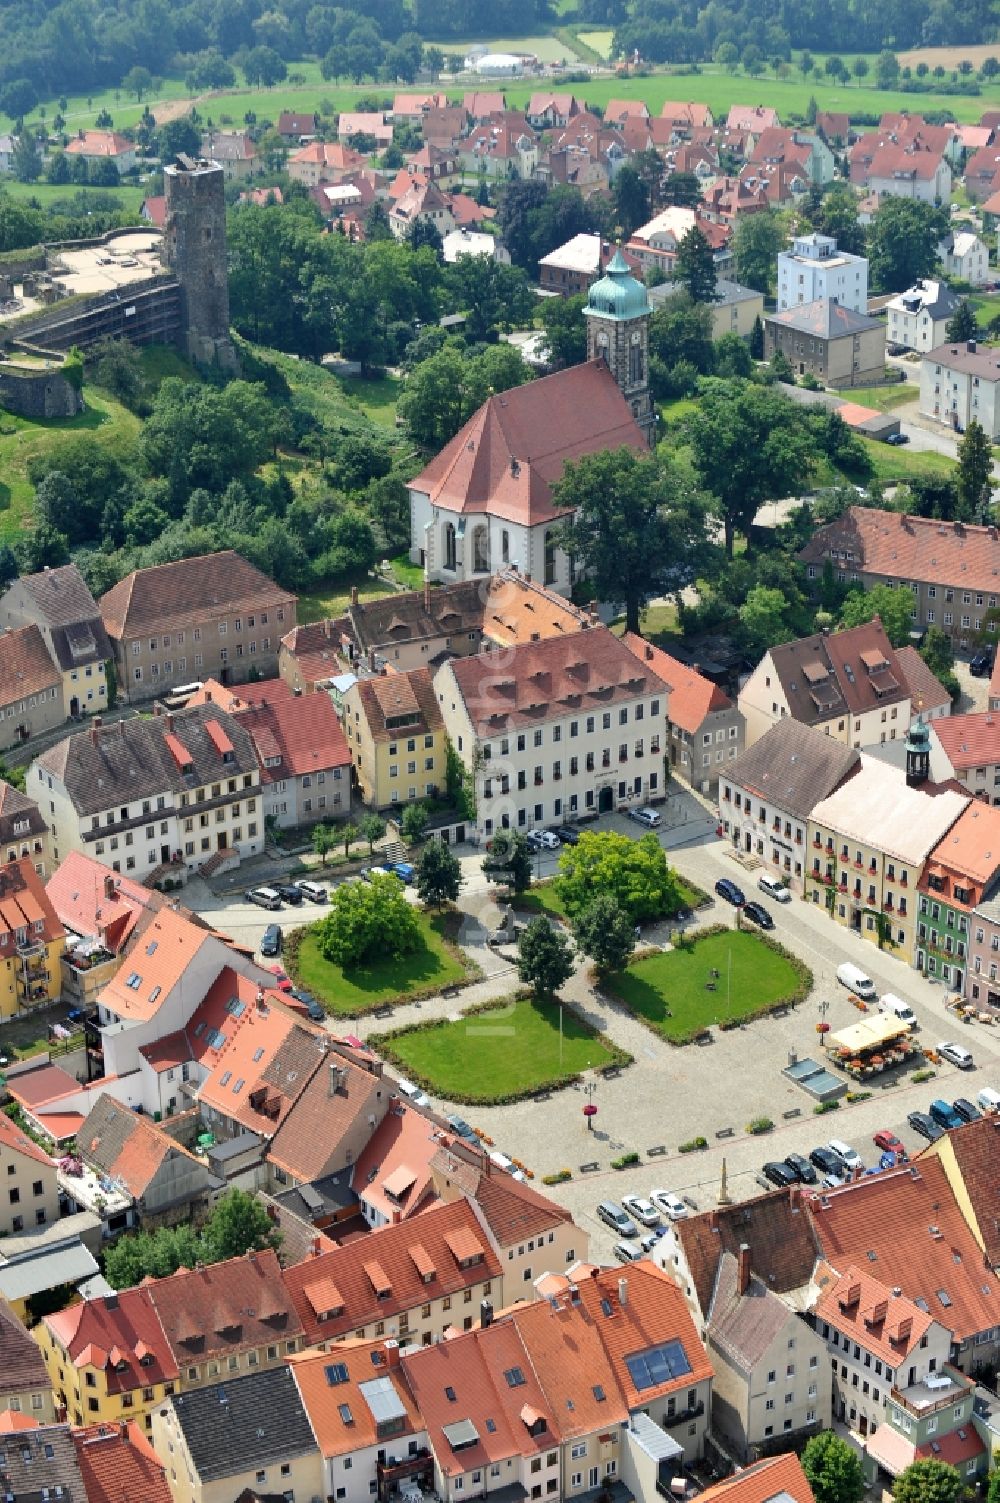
x,y
485,502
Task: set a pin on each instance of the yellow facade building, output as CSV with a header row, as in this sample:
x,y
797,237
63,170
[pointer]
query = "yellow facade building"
x,y
396,737
32,941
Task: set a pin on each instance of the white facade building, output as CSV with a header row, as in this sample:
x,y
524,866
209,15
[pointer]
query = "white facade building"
x,y
918,318
965,256
960,382
814,268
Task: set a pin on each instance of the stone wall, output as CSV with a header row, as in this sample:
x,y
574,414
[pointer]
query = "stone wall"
x,y
42,393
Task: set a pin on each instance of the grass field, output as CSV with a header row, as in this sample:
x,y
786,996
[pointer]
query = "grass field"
x,y
362,988
598,41
332,596
669,990
548,49
46,194
376,398
882,398
501,1054
901,464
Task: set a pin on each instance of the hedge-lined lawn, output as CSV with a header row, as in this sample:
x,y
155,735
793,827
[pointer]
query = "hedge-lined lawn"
x,y
360,988
544,898
497,1054
668,990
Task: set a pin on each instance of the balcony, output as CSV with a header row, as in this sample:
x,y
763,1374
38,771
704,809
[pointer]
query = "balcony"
x,y
684,1416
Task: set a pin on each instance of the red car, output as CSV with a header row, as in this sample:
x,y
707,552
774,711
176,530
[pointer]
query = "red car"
x,y
283,982
889,1143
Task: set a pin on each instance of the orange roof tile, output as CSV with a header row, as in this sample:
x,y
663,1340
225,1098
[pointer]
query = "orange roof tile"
x,y
355,1365
392,1172
117,1461
887,1325
900,546
24,905
87,1333
970,850
767,1480
154,966
655,1310
974,1148
14,1141
969,740
692,697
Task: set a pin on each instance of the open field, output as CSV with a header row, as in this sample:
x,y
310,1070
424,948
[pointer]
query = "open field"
x,y
46,194
501,1054
331,597
882,398
950,57
901,463
598,41
678,995
376,398
364,987
548,49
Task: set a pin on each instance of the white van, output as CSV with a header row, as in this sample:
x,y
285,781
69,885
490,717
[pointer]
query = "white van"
x,y
988,1099
411,1092
890,1003
854,978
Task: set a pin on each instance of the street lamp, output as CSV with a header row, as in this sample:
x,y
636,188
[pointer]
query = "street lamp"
x,y
590,1110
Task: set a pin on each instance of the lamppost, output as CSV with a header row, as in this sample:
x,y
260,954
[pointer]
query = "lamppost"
x,y
590,1110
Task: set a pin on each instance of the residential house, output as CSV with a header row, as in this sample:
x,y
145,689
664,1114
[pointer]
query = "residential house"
x,y
444,126
392,1174
352,123
547,111
826,340
32,941
931,1420
768,795
573,267
835,127
46,1261
727,199
982,177
705,729
961,875
994,694
928,696
771,1385
802,149
966,1156
25,1388
170,791
918,318
104,146
234,151
329,1121
782,185
31,688
164,1182
40,1463
504,147
877,1340
991,209
655,243
210,617
59,603
108,1358
959,383
908,164
117,1461
967,747
324,162
752,120
464,242
304,760
293,125
413,107
30,1189
687,115
562,727
421,1277
23,831
847,683
422,203
359,1405
869,841
949,566
814,269
397,737
250,1433
481,105
735,310
966,257
8,145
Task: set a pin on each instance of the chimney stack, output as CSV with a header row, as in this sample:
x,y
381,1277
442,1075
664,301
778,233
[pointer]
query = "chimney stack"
x,y
327,631
743,1269
170,720
109,888
623,1292
335,1077
95,729
121,729
485,1314
208,696
970,345
354,594
391,1350
594,611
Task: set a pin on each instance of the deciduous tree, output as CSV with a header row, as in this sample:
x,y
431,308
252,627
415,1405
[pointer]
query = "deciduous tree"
x,y
439,874
605,932
756,243
891,603
834,1469
508,861
930,1481
634,872
366,919
902,247
544,957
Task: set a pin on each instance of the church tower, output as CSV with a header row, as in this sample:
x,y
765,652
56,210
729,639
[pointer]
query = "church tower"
x,y
618,315
918,754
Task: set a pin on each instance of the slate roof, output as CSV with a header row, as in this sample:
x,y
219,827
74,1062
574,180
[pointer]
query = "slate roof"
x,y
417,615
38,1462
793,766
25,666
252,1422
825,318
506,458
22,1366
127,1146
117,1462
61,601
744,1325
16,808
898,546
132,759
186,593
782,1246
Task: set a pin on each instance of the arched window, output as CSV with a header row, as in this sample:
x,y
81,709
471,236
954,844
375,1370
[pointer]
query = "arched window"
x,y
449,546
480,551
635,364
550,558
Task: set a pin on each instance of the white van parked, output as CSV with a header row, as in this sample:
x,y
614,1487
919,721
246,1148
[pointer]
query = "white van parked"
x,y
894,1005
854,978
988,1099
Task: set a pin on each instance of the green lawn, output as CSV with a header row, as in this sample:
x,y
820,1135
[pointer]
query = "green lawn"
x,y
669,989
362,988
882,398
902,463
409,575
597,41
376,397
494,1055
330,597
127,196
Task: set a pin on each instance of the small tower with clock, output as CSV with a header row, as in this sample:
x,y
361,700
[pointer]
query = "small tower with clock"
x,y
618,315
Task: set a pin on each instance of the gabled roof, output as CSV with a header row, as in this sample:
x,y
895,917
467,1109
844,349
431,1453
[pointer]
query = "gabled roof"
x,y
888,1325
100,143
829,676
782,1246
330,1096
774,1480
25,909
224,1307
26,668
511,1209
877,808
187,592
262,1068
128,1146
303,730
899,546
22,1367
744,1324
60,596
347,1391
751,117
399,704
393,1172
154,966
968,1156
510,453
117,1461
692,696
41,1463
927,692
794,766
120,1334
353,1269
238,1426
17,809
969,740
98,903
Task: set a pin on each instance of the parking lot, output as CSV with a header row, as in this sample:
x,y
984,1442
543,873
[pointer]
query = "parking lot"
x,y
670,1095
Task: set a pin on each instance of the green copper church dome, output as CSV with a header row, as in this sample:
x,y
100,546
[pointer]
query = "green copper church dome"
x,y
618,294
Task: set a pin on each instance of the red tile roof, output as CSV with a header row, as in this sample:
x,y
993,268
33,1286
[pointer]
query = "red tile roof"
x,y
154,966
778,1476
130,1147
225,1307
118,1462
782,1245
324,1114
692,696
511,452
927,693
100,143
303,730
98,903
887,1325
189,591
969,740
973,1150
14,1142
323,1401
391,1248
655,1309
108,1333
955,1449
393,1170
902,547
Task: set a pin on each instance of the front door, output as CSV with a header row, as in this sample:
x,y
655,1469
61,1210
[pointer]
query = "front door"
x,y
222,840
605,800
164,854
74,707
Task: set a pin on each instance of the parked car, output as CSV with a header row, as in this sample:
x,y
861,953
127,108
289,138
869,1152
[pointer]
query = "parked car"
x,y
850,1156
461,1129
889,1143
944,1114
981,664
801,1168
543,840
312,1007
758,914
411,1092
649,1241
282,981
264,897
270,943
401,869
925,1126
898,438
648,817
774,888
567,834
618,1220
290,891
728,890
956,1055
828,1162
671,1205
965,1109
642,1210
779,1173
626,1254
314,891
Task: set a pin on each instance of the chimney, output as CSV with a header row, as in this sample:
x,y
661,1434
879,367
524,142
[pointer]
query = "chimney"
x,y
327,628
371,658
743,1269
427,593
95,729
594,611
334,1080
391,1350
121,729
314,1249
170,720
795,1198
259,999
970,345
485,1314
123,1429
109,888
623,1292
208,696
354,594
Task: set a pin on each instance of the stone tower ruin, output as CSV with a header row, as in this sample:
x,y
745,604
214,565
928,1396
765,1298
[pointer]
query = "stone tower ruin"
x,y
194,249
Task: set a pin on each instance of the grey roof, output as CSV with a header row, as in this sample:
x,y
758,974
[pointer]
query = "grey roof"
x,y
793,766
744,1325
930,296
59,602
726,293
22,1366
33,1463
61,596
651,1439
825,319
130,760
44,1266
383,1400
252,1422
15,808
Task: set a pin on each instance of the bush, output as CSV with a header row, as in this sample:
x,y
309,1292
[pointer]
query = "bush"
x,y
853,1096
559,1178
627,1161
758,1125
692,1144
919,1076
825,1106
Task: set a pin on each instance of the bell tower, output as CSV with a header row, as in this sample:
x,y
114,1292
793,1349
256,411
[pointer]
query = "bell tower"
x,y
918,754
618,315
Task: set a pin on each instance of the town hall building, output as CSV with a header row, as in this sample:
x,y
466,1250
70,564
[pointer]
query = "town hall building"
x,y
485,503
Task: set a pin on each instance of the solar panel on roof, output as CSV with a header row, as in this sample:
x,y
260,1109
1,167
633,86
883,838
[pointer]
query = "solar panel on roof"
x,y
658,1364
